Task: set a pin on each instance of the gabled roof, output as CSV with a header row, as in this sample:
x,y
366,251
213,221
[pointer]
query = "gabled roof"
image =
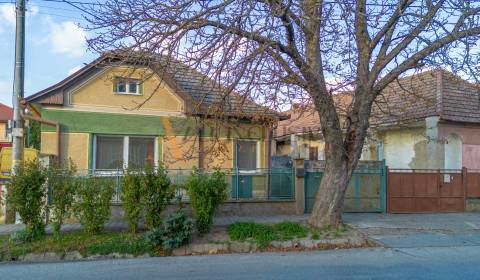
x,y
6,112
432,93
202,95
412,98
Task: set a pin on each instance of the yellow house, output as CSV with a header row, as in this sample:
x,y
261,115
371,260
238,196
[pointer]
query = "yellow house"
x,y
111,115
6,114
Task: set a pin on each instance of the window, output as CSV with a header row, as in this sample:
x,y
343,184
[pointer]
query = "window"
x,y
141,151
313,153
127,86
116,152
109,152
246,155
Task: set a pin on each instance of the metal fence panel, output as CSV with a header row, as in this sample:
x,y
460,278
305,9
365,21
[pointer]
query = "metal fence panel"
x,y
259,184
366,191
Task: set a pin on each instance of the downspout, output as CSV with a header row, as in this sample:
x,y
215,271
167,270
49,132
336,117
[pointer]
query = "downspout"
x,y
47,122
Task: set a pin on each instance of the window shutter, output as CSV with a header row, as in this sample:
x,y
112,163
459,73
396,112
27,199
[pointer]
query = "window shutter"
x,y
114,83
140,88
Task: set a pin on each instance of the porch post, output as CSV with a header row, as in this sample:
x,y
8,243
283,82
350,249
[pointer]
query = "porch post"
x,y
299,185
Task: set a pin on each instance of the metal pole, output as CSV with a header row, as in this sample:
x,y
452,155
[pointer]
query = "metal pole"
x,y
18,86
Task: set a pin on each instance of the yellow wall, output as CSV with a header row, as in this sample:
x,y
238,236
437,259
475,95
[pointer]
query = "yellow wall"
x,y
99,92
180,152
3,128
218,153
74,146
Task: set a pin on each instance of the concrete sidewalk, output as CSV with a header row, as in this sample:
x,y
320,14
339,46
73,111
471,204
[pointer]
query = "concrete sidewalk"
x,y
419,230
391,230
123,225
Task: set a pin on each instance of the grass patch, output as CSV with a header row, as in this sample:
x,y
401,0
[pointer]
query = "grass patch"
x,y
328,232
103,244
287,230
263,234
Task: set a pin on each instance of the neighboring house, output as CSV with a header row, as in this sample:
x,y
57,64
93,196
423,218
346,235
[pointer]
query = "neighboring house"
x,y
6,114
112,115
429,120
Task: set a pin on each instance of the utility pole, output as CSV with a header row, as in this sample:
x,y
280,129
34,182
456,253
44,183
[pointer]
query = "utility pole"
x,y
18,86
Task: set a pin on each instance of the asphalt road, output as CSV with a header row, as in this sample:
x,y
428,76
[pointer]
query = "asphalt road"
x,y
379,263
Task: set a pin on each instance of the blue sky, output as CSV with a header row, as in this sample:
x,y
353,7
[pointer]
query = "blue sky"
x,y
54,46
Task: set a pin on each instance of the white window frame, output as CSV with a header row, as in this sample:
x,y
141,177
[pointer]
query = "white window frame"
x,y
127,86
125,154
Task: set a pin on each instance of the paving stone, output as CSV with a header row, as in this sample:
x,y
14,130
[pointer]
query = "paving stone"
x,y
307,243
240,247
73,256
39,257
180,251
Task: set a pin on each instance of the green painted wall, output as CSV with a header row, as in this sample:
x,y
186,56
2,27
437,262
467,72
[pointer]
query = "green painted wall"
x,y
109,123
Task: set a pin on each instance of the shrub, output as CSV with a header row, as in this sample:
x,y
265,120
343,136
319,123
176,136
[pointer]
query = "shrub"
x,y
206,192
175,231
158,193
23,236
92,207
27,194
63,185
132,196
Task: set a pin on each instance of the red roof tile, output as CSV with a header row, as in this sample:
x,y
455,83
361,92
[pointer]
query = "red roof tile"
x,y
6,112
432,93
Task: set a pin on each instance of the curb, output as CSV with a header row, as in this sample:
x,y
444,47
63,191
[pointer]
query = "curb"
x,y
229,247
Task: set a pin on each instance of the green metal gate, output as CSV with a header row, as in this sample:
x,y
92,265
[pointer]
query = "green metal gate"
x,y
365,193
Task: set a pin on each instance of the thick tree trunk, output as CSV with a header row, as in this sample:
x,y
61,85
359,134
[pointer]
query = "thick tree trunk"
x,y
328,207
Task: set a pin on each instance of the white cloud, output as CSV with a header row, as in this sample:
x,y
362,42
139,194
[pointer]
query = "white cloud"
x,y
32,10
7,14
74,69
67,38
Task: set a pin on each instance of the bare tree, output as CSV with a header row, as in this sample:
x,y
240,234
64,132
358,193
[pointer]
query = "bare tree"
x,y
279,51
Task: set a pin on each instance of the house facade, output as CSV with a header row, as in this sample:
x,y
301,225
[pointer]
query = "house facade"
x,y
6,114
429,120
111,115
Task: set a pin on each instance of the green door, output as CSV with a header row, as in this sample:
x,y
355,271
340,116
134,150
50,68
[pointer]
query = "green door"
x,y
242,186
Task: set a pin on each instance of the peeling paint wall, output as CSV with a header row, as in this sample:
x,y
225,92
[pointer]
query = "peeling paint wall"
x,y
405,148
469,134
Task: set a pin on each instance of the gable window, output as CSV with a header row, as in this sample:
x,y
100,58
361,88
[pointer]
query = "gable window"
x,y
117,152
127,86
246,155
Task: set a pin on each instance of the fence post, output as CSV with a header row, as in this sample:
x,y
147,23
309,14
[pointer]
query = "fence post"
x,y
237,181
464,185
383,186
299,185
387,188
